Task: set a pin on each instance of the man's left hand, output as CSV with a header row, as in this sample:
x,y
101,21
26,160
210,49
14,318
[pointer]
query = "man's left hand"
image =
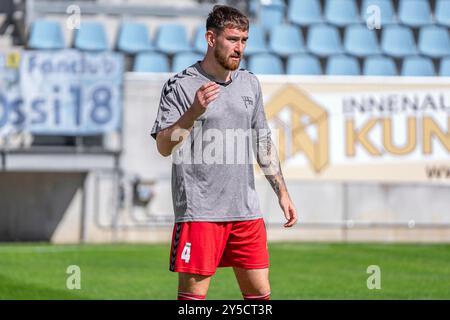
x,y
289,211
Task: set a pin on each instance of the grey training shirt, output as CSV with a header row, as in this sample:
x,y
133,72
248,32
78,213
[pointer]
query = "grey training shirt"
x,y
212,171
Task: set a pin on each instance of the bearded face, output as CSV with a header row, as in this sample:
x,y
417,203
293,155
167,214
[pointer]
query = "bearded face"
x,y
226,60
229,48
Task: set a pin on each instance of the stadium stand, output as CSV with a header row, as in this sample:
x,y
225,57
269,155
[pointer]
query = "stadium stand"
x,y
379,66
386,10
434,41
304,12
303,64
398,41
414,13
134,38
442,12
360,41
91,36
341,12
199,42
172,38
181,60
417,66
271,14
342,65
265,63
445,67
290,32
324,40
256,42
285,40
151,62
46,35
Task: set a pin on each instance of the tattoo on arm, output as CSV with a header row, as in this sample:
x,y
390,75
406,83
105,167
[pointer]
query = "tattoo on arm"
x,y
277,183
270,164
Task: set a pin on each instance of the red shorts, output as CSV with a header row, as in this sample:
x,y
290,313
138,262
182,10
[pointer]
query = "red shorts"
x,y
201,247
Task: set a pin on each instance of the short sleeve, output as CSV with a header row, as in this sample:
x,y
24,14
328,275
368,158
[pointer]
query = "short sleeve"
x,y
168,111
259,120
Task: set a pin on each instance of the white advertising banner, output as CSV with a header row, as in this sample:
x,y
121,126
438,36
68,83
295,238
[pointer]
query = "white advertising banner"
x,y
357,130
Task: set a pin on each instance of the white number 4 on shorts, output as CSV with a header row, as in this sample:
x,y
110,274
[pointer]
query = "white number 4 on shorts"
x,y
186,254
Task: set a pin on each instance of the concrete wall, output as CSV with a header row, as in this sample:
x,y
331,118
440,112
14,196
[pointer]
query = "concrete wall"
x,y
33,205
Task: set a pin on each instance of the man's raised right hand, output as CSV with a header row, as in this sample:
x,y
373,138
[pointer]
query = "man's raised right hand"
x,y
206,94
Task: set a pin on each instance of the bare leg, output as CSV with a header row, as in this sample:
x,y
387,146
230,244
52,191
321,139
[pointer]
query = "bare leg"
x,y
193,284
254,283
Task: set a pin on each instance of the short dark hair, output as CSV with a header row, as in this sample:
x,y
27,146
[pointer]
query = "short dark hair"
x,y
222,17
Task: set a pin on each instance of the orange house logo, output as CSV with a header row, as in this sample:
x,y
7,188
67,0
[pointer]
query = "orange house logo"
x,y
305,115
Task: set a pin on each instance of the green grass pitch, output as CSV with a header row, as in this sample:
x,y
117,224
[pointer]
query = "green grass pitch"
x,y
298,271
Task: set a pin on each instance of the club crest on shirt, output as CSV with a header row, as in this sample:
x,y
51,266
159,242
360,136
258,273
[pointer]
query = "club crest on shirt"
x,y
247,101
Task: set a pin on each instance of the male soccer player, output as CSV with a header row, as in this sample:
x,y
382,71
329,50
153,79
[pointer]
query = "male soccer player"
x,y
218,222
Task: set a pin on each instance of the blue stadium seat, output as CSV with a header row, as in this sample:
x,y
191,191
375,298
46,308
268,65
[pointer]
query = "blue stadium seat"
x,y
133,37
434,41
151,62
256,42
253,7
324,40
341,12
360,41
398,41
414,13
286,39
91,37
387,12
200,45
379,66
304,12
271,14
442,12
417,66
303,64
183,60
342,65
46,34
265,63
172,38
444,70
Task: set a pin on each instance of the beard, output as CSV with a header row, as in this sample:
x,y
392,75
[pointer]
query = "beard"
x,y
225,61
